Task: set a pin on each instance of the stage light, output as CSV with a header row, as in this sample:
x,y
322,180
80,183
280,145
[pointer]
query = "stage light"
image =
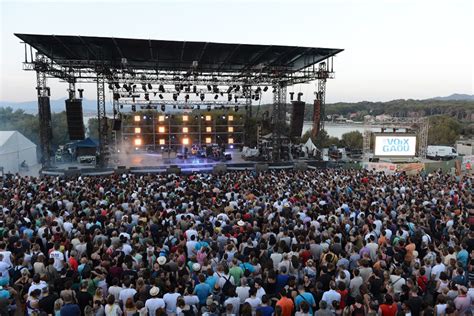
x,y
161,88
138,130
300,94
196,117
258,90
181,87
208,118
236,108
230,118
202,97
230,89
111,86
162,142
194,89
185,118
154,93
167,116
209,88
150,86
161,118
160,96
230,129
117,85
216,96
208,140
235,98
185,130
215,89
147,96
274,90
185,141
237,88
186,97
175,97
209,108
265,89
222,94
137,142
291,96
143,87
198,107
136,118
257,98
229,97
163,107
230,141
161,129
223,117
208,129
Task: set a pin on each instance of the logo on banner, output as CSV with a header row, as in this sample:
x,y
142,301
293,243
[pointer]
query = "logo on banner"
x,y
396,145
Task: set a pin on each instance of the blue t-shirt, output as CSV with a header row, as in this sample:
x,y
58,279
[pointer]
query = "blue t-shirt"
x,y
265,310
211,280
202,290
70,310
308,298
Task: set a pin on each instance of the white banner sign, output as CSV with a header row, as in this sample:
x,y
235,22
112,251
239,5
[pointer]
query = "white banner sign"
x,y
395,146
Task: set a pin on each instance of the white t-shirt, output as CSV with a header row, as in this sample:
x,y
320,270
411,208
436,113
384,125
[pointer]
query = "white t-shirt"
x,y
58,257
154,304
170,301
125,294
7,257
254,302
242,293
4,269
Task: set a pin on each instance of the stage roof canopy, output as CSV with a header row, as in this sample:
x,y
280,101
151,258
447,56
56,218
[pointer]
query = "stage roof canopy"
x,y
177,55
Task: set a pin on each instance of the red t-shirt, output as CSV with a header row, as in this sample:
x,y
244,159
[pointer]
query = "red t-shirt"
x,y
389,310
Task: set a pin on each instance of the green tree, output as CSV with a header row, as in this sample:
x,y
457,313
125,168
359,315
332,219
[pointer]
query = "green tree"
x,y
322,140
353,140
443,130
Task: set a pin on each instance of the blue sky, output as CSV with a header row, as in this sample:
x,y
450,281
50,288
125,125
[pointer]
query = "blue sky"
x,y
393,48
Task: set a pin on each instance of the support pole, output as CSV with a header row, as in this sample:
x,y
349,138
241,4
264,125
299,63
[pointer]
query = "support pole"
x,y
44,112
102,121
278,120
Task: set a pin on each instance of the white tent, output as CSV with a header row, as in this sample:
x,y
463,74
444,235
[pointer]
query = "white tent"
x,y
14,149
309,147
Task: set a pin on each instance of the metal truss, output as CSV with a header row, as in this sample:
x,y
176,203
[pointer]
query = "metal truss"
x,y
44,112
278,120
102,120
323,75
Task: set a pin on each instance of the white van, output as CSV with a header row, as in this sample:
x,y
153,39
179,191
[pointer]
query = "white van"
x,y
441,152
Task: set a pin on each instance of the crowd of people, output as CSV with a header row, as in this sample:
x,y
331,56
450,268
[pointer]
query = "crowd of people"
x,y
317,242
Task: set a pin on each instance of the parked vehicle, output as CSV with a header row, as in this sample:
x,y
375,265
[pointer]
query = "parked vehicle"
x,y
441,152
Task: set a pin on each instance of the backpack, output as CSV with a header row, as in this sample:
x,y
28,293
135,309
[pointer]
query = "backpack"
x,y
228,287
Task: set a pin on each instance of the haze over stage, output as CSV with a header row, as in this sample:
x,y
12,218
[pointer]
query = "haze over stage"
x,y
178,55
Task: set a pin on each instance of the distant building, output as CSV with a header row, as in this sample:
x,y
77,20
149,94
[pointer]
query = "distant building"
x,y
383,117
465,147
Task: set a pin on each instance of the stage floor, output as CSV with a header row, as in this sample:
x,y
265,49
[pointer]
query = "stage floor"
x,y
165,160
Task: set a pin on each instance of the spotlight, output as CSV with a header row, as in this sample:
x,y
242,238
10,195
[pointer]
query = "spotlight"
x,y
117,85
215,89
181,87
235,98
257,98
188,88
236,108
208,107
237,88
291,95
134,108
143,87
147,96
223,117
202,97
209,88
175,97
160,96
161,88
126,87
186,97
265,89
198,107
229,97
154,94
111,86
274,90
300,94
194,89
216,96
230,89
258,90
150,86
163,107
